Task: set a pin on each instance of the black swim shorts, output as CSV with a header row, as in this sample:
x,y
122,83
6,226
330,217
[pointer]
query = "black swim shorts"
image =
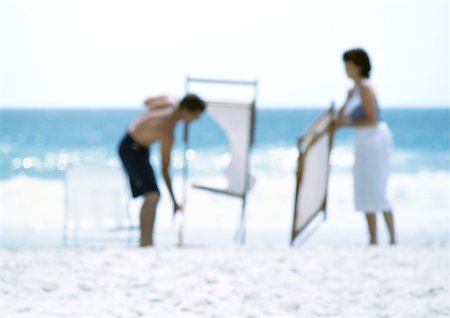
x,y
135,159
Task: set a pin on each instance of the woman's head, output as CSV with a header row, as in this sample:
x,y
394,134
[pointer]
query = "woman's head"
x,y
357,63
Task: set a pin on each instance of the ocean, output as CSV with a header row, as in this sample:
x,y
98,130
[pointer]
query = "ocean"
x,y
37,146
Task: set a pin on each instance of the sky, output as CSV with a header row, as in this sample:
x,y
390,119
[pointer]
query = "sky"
x,y
115,53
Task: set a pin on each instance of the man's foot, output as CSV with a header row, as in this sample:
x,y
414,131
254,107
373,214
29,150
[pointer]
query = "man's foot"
x,y
146,243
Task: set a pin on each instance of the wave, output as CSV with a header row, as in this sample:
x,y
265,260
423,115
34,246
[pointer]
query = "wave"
x,y
270,158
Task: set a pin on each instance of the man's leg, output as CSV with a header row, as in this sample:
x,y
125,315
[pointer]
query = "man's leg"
x,y
148,212
372,225
389,218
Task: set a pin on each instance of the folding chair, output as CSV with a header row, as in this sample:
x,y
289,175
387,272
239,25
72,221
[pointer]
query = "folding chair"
x,y
312,174
96,205
237,120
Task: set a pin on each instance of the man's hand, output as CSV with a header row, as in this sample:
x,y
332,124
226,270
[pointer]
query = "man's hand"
x,y
177,208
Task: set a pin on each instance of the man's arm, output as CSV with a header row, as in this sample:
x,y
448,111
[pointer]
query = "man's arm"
x,y
159,101
166,150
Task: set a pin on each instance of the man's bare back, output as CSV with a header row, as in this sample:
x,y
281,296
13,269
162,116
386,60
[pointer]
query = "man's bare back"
x,y
158,124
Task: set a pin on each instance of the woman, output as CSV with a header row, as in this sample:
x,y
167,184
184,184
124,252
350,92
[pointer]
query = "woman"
x,y
373,143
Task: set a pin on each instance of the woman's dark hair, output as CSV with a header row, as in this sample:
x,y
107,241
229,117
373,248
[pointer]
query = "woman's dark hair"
x,y
359,57
192,103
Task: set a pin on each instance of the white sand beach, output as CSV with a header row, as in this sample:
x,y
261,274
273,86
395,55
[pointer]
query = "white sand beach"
x,y
226,282
333,275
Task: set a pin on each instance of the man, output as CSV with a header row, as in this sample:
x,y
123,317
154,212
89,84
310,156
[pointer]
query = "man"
x,y
156,125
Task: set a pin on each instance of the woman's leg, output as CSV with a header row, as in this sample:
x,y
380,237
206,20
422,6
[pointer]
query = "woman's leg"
x,y
372,225
389,218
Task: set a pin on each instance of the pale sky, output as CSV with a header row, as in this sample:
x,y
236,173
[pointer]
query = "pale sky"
x,y
114,53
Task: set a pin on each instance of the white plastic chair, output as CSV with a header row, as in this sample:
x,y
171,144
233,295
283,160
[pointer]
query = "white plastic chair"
x,y
96,205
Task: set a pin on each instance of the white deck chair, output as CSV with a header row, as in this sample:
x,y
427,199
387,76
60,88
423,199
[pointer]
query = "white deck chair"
x,y
96,205
237,120
312,173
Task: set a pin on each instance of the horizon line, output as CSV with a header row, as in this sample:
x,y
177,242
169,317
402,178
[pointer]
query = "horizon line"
x,y
264,106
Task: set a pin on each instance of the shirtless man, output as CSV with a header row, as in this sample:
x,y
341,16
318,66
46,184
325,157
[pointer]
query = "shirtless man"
x,y
156,125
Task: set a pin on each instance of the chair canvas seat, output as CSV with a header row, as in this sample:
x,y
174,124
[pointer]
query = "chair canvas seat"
x,y
234,119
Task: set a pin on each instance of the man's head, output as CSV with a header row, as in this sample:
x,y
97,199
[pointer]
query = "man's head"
x,y
193,106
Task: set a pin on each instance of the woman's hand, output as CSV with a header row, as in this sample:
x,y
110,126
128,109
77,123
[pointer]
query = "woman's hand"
x,y
341,122
335,124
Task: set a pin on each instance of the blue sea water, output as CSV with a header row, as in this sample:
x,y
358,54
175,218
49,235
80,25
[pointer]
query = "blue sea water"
x,y
42,143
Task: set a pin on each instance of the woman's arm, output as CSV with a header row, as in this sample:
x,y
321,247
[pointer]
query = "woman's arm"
x,y
340,118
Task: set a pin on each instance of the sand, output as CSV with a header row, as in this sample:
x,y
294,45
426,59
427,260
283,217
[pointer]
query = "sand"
x,y
404,281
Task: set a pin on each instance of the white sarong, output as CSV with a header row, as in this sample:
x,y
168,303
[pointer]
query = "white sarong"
x,y
373,147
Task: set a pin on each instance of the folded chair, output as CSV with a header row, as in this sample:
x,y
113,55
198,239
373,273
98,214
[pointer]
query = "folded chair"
x,y
313,167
